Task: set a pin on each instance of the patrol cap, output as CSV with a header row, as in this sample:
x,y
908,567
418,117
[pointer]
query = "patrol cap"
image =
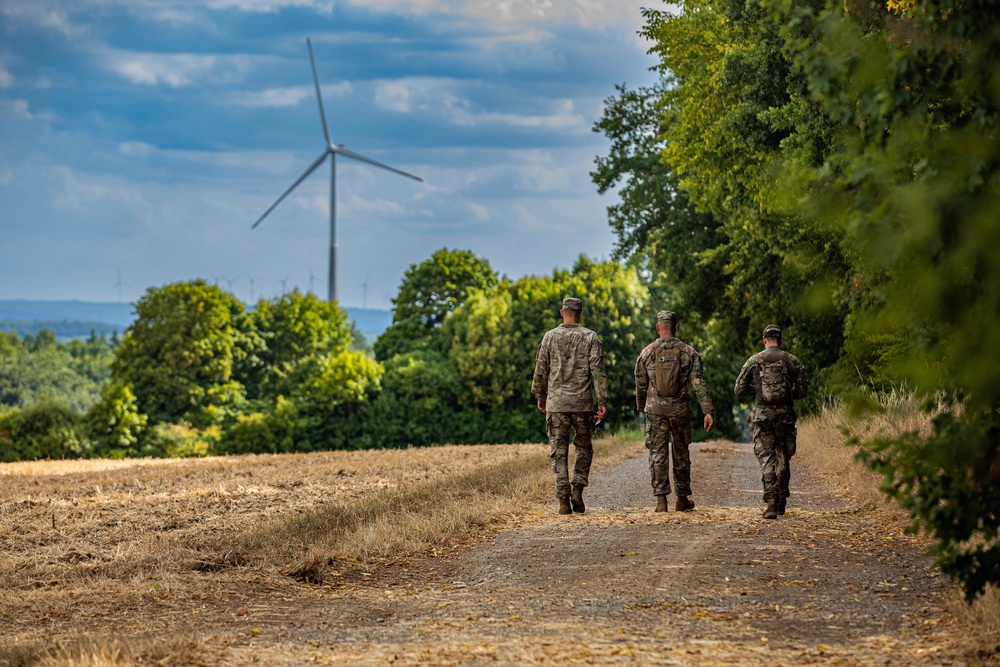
x,y
572,303
772,331
666,316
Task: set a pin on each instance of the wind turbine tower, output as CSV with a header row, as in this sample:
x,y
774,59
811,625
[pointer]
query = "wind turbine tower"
x,y
333,151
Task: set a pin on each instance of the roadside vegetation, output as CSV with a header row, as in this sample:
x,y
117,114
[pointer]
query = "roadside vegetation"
x,y
821,446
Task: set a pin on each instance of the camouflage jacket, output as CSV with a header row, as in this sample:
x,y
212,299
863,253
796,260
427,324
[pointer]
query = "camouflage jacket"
x,y
691,376
569,368
746,385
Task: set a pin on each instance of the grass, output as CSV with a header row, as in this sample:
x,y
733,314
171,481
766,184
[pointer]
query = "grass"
x,y
821,446
148,549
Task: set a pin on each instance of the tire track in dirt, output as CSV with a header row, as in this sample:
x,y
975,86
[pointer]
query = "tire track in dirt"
x,y
622,585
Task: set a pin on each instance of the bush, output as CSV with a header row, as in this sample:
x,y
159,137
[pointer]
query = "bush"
x,y
181,441
46,430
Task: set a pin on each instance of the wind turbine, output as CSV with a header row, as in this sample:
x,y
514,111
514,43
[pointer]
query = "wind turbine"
x,y
333,151
118,285
364,292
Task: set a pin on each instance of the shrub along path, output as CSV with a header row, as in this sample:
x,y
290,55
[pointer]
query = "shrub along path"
x,y
828,583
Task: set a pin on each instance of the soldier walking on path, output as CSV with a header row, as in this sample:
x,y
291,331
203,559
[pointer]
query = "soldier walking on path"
x,y
569,369
666,371
776,379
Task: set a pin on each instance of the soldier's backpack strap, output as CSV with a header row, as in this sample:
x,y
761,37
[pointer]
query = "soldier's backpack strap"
x,y
756,377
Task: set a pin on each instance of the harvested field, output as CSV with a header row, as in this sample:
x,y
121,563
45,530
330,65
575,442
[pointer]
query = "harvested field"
x,y
454,556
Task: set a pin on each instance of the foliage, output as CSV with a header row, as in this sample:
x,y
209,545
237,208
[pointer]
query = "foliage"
x,y
913,185
420,403
293,328
115,424
44,430
834,167
181,441
429,292
950,481
37,368
182,353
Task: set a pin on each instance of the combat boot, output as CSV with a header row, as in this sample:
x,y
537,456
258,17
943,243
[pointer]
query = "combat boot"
x,y
576,499
780,507
564,507
684,504
772,509
661,504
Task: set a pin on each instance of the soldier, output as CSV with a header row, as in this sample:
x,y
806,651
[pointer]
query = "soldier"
x,y
569,367
664,374
776,379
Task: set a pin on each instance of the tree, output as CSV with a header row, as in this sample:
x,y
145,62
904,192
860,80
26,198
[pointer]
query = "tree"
x,y
115,423
293,328
429,291
913,185
181,353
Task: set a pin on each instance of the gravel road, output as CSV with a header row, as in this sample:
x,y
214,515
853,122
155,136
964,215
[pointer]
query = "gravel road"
x,y
828,583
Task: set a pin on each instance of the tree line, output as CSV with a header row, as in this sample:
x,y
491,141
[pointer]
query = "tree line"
x,y
835,167
199,373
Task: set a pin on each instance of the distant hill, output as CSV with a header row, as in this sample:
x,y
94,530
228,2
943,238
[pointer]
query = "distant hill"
x,y
76,319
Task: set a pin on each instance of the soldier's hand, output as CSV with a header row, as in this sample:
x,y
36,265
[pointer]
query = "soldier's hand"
x,y
709,423
602,411
541,404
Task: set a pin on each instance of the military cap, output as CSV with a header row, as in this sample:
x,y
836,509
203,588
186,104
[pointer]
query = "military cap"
x,y
572,303
772,331
666,316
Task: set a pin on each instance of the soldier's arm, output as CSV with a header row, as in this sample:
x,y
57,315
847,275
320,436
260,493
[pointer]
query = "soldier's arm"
x,y
596,361
699,385
800,385
540,380
744,381
641,382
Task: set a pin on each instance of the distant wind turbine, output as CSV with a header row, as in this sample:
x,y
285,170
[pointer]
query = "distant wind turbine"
x,y
333,151
364,291
312,279
284,284
119,285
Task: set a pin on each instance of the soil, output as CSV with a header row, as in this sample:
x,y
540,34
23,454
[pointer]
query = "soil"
x,y
828,583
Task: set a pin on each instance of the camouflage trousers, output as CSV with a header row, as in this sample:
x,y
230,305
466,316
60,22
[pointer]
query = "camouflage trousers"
x,y
558,426
664,434
774,445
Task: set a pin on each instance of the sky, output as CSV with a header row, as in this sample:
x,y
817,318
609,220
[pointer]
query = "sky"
x,y
141,139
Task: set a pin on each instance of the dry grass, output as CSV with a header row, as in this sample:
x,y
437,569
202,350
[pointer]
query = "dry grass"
x,y
821,445
164,546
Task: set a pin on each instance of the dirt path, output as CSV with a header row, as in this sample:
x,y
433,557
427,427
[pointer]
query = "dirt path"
x,y
826,584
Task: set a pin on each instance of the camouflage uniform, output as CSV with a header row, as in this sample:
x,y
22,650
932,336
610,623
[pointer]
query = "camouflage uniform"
x,y
773,425
668,418
569,368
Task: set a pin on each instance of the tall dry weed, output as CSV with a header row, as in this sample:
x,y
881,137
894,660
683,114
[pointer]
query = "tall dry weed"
x,y
828,442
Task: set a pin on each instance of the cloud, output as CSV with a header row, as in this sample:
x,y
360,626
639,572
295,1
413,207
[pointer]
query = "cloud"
x,y
6,78
21,109
287,97
436,96
79,194
42,16
174,71
586,13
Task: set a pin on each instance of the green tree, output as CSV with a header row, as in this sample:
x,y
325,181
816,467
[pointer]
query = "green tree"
x,y
293,328
913,185
44,430
181,353
429,292
115,424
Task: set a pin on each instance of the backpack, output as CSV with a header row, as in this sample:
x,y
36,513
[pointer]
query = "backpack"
x,y
773,384
668,374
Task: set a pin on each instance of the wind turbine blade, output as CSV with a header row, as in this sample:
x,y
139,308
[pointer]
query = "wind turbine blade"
x,y
319,98
301,178
361,158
